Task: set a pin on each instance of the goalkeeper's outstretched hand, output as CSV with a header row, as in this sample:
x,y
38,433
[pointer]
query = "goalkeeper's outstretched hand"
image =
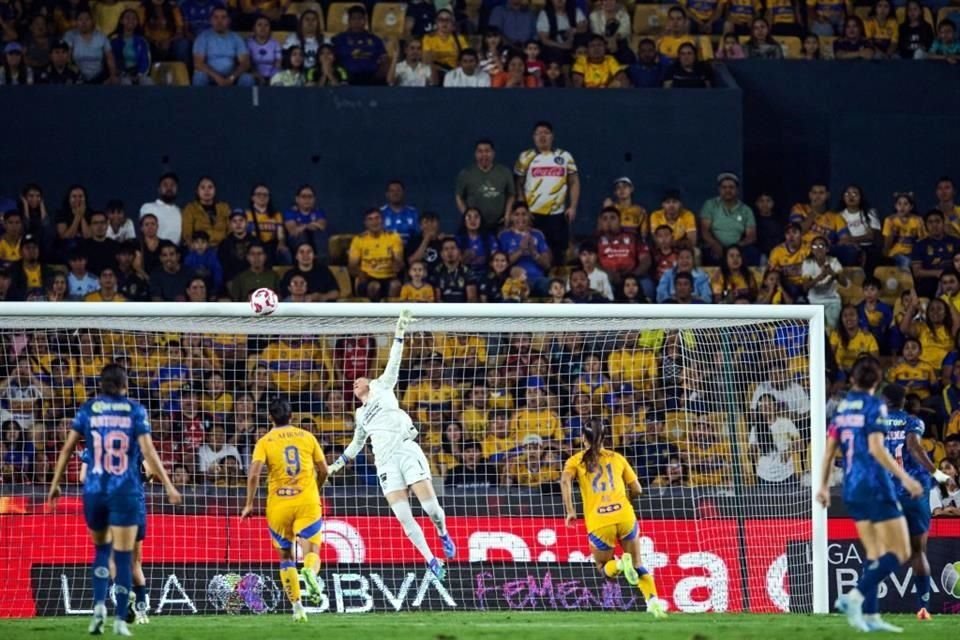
x,y
338,464
406,317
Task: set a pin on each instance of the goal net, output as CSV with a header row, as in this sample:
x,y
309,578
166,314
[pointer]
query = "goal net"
x,y
719,409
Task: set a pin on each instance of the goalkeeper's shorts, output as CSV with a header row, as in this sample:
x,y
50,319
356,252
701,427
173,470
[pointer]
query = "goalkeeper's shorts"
x,y
290,521
605,538
405,467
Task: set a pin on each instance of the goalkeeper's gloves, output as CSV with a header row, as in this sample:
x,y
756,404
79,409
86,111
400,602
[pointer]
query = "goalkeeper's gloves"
x,y
339,464
406,317
940,477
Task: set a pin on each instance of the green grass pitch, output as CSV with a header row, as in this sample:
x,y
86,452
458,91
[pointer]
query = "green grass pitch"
x,y
481,625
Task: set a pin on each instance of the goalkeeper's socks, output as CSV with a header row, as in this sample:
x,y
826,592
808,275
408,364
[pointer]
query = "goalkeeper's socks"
x,y
140,591
124,581
611,568
101,572
922,586
290,580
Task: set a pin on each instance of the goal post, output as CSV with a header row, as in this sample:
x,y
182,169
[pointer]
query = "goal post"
x,y
728,518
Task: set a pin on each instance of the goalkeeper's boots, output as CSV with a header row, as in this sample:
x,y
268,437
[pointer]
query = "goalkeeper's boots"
x,y
131,612
852,605
299,614
438,569
99,620
314,588
140,613
449,547
657,607
876,623
923,614
120,628
628,570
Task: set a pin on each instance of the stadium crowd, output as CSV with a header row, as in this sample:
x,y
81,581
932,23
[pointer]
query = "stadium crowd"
x,y
492,409
495,43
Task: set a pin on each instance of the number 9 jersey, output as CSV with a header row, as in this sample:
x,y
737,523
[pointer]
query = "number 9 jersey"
x,y
607,511
291,456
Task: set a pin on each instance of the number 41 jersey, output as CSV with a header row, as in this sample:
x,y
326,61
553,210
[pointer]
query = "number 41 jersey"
x,y
864,480
292,456
111,426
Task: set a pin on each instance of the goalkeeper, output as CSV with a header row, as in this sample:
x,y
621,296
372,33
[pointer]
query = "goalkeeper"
x,y
399,460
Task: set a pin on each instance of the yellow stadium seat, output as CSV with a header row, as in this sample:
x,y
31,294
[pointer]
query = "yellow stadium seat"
x,y
862,12
853,292
337,247
106,16
927,15
172,74
649,19
893,282
389,19
949,13
280,36
561,272
705,47
826,47
792,46
281,269
337,16
342,276
297,9
757,274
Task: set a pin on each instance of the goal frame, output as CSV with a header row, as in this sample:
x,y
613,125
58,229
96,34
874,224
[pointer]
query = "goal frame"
x,y
99,313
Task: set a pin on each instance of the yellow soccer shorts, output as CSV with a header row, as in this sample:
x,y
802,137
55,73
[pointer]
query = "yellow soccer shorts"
x,y
605,538
287,522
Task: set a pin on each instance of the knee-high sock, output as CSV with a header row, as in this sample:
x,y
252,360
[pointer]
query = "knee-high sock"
x,y
647,585
290,580
124,582
435,512
922,585
140,592
410,527
611,568
873,574
101,572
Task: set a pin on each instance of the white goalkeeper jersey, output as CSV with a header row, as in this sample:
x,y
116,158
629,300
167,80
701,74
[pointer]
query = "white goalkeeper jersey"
x,y
380,418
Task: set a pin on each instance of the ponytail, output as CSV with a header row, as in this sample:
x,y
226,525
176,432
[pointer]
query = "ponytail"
x,y
594,432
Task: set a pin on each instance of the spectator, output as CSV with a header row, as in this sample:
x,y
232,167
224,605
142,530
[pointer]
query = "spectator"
x,y
295,288
107,291
23,394
821,274
328,72
650,70
526,247
203,262
412,71
321,285
688,72
71,220
784,15
913,374
493,53
119,227
148,256
680,220
220,56
65,14
426,244
375,259
206,214
597,70
257,276
266,225
467,74
773,441
130,50
91,51
164,29
165,210
194,423
37,42
945,47
80,282
580,291
901,231
170,279
685,264
725,220
491,285
18,454
308,37
398,216
198,15
476,244
417,288
739,17
849,340
11,238
769,223
214,452
730,48
875,314
305,223
946,194
810,49
15,70
537,68
232,252
455,281
787,258
98,248
444,47
60,70
558,26
664,257
36,219
825,17
781,385
29,275
471,471
932,254
761,44
486,185
56,288
265,53
621,253
515,21
535,416
633,217
515,288
882,29
934,330
945,498
733,280
630,292
599,280
361,53
130,283
612,22
676,32
854,43
915,35
515,75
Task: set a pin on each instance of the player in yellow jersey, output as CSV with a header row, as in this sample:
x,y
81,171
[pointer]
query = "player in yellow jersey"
x,y
605,477
296,469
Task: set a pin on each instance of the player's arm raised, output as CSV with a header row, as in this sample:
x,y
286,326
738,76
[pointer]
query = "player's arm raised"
x,y
823,495
72,439
392,371
153,463
253,481
566,490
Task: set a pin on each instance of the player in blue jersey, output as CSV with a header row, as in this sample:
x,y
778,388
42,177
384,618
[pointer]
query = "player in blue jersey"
x,y
904,432
117,432
858,431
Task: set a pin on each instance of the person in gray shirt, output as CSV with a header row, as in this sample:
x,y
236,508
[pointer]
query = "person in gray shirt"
x,y
91,51
487,186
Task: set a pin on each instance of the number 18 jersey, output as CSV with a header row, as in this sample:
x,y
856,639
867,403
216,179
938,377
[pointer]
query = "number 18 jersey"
x,y
864,479
110,426
604,490
291,456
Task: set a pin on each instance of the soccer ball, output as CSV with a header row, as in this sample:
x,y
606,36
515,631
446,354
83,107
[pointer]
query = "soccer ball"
x,y
950,579
264,301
